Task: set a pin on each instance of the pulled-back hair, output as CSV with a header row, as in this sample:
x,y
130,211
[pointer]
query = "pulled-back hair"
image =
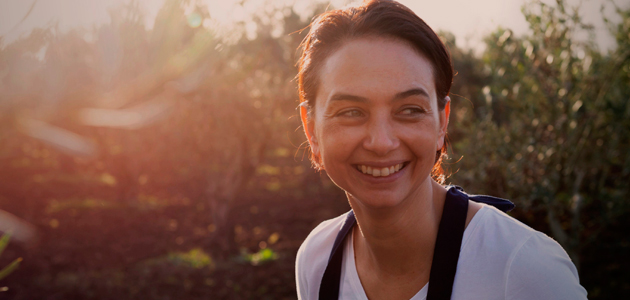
x,y
373,18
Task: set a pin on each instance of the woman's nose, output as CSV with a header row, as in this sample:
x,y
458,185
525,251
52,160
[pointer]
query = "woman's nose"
x,y
380,137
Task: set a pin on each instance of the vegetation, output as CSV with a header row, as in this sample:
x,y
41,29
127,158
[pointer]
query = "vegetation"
x,y
168,162
4,272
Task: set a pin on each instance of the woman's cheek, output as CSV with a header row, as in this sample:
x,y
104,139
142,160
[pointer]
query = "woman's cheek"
x,y
338,145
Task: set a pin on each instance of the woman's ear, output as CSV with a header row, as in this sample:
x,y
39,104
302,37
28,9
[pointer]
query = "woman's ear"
x,y
444,116
309,130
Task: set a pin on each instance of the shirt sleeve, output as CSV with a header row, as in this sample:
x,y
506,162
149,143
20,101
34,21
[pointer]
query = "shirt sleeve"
x,y
312,257
541,269
300,275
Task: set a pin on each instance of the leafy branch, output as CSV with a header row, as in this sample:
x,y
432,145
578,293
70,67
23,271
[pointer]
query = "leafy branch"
x,y
4,241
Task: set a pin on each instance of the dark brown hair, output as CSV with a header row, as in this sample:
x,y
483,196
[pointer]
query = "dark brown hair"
x,y
379,18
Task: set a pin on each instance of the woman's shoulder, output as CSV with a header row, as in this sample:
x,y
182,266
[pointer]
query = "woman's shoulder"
x,y
312,257
528,263
500,223
493,228
322,237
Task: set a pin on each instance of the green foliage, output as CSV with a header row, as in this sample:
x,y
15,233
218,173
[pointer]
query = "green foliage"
x,y
195,258
551,125
4,272
262,256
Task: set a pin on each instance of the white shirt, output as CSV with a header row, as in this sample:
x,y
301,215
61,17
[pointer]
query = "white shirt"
x,y
500,258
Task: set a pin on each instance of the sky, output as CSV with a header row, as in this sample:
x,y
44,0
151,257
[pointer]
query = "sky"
x,y
468,20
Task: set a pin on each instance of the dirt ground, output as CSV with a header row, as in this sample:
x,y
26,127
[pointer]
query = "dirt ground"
x,y
167,251
166,247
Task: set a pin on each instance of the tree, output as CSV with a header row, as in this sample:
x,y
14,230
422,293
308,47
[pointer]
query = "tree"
x,y
220,102
552,134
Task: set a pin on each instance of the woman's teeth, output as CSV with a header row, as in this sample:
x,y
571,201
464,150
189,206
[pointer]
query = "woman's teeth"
x,y
379,172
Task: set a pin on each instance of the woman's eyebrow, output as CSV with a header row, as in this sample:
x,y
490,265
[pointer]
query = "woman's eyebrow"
x,y
399,96
348,97
411,92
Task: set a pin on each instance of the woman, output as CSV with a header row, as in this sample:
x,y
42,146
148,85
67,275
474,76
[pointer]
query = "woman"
x,y
374,82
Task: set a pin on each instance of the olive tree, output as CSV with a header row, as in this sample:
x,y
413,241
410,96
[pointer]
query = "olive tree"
x,y
552,124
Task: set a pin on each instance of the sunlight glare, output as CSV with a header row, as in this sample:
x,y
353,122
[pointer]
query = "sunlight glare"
x,y
194,20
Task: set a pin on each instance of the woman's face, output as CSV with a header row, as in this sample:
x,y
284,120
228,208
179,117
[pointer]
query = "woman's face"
x,y
376,124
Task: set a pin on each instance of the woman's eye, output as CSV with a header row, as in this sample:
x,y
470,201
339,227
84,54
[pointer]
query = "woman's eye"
x,y
351,113
411,111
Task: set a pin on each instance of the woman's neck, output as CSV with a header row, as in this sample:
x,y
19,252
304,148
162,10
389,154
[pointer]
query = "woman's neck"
x,y
399,241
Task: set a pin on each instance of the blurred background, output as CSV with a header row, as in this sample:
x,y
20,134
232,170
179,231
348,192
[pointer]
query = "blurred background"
x,y
152,149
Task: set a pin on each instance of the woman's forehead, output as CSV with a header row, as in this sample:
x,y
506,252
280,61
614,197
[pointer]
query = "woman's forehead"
x,y
375,67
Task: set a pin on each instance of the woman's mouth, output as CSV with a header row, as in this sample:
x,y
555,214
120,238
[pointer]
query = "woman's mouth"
x,y
380,172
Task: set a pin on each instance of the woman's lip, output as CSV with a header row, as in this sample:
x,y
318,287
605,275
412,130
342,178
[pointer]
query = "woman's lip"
x,y
381,164
383,179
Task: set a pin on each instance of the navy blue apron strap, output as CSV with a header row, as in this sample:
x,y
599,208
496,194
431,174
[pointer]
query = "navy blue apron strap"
x,y
501,204
329,287
447,245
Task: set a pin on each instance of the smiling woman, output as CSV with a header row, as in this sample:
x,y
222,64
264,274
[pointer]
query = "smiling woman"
x,y
374,82
376,109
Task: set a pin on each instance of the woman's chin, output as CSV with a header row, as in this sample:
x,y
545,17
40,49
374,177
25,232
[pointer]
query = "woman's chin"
x,y
375,200
391,195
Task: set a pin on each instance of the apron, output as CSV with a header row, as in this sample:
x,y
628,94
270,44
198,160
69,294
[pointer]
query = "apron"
x,y
445,255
